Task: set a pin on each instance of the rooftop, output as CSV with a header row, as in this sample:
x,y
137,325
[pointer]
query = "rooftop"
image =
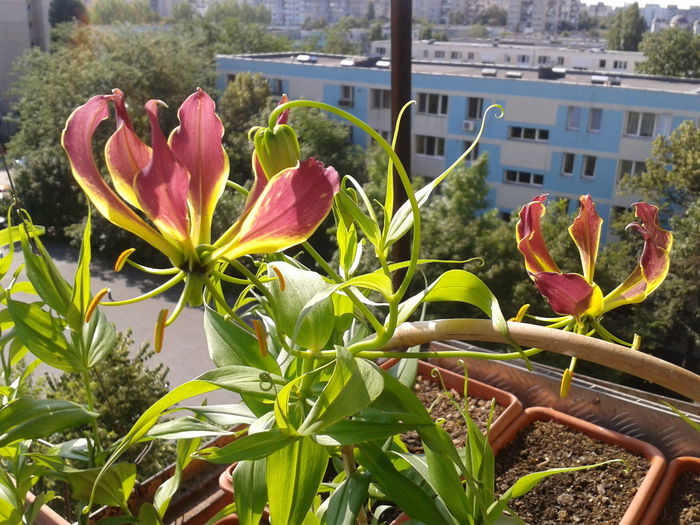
x,y
520,73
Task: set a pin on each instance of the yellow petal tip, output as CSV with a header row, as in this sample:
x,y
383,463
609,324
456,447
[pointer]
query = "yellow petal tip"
x,y
121,260
565,383
93,304
160,330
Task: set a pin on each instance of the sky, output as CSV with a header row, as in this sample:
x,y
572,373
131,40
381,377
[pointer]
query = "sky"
x,y
682,4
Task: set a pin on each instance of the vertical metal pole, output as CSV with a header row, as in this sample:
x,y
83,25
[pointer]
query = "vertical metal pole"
x,y
401,41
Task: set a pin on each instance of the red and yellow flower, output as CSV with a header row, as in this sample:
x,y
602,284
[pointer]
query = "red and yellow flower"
x,y
166,193
577,295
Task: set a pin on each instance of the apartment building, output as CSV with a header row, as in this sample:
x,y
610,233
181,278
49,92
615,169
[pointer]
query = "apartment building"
x,y
23,24
519,55
565,133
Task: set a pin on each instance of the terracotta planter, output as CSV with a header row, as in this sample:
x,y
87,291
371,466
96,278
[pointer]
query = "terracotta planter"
x,y
475,389
46,516
676,467
657,463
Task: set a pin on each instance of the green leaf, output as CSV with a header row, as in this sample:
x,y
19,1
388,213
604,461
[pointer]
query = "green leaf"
x,y
402,491
313,330
114,487
251,491
26,418
402,221
99,338
243,380
347,499
355,383
528,482
229,344
185,428
252,446
12,234
293,476
355,431
223,415
366,224
43,334
445,481
46,278
10,507
161,500
465,287
80,298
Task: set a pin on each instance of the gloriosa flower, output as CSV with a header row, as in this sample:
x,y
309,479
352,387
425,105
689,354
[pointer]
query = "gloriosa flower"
x,y
577,295
176,184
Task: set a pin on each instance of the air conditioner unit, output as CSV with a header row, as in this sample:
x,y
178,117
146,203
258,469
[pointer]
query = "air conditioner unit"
x,y
469,125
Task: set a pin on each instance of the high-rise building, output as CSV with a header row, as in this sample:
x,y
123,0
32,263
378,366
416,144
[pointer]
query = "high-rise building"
x,y
23,24
542,16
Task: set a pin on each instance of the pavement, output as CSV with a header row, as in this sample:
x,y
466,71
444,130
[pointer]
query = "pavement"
x,y
184,349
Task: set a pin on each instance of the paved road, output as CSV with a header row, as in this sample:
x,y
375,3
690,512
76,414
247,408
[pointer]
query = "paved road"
x,y
184,349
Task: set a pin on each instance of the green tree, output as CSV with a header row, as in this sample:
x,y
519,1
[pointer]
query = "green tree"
x,y
116,11
478,31
672,52
118,407
337,42
240,108
493,16
626,29
669,320
67,11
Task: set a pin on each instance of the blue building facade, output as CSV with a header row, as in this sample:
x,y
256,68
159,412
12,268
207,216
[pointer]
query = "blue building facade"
x,y
565,133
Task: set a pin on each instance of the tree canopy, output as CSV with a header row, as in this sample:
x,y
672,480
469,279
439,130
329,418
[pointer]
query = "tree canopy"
x,y
671,52
626,29
115,11
67,11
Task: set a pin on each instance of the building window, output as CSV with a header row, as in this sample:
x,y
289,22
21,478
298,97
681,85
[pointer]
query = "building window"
x,y
432,103
470,56
543,60
473,154
430,146
630,167
589,162
276,87
347,96
517,132
524,177
640,124
523,59
380,98
573,117
507,59
619,64
381,51
595,117
456,55
439,54
425,53
601,63
560,61
475,107
567,165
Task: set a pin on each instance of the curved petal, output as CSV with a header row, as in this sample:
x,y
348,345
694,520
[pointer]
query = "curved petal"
x,y
196,143
585,231
125,153
162,186
653,264
530,241
77,141
259,183
570,294
288,211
